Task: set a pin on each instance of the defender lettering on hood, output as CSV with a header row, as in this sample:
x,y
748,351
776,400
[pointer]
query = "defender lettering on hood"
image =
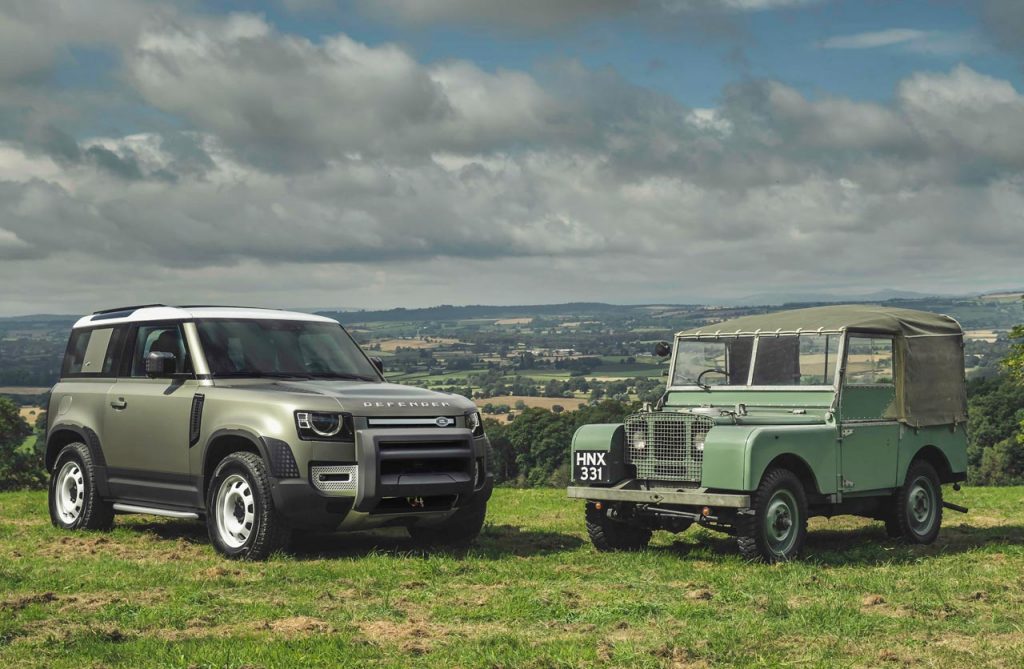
x,y
408,404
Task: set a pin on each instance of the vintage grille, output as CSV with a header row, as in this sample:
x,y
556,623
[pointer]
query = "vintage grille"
x,y
667,446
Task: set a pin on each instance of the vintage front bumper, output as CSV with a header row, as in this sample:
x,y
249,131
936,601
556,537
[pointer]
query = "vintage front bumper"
x,y
695,497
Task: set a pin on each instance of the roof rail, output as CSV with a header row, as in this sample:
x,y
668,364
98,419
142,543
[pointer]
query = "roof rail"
x,y
133,307
224,306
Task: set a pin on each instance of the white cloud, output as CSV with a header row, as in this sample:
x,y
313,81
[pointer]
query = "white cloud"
x,y
933,42
873,40
341,173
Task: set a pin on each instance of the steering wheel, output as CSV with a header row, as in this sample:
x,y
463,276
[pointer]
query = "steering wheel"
x,y
708,371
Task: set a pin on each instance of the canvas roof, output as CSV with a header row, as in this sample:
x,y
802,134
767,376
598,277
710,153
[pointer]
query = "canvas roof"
x,y
856,317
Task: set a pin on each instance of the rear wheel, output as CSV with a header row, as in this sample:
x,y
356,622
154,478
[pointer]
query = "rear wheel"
x,y
74,501
240,514
777,529
461,528
917,514
608,534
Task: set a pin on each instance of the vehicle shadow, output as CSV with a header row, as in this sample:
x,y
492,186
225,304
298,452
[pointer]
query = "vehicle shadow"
x,y
870,545
496,541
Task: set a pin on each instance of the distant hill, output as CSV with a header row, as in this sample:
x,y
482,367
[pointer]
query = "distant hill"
x,y
825,297
447,312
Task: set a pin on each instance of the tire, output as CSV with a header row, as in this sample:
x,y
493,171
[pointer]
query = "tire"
x,y
917,513
460,529
612,535
777,529
240,515
74,501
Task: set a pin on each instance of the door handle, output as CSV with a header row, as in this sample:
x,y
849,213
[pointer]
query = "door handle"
x,y
119,403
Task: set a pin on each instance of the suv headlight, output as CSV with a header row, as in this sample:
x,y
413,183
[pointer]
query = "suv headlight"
x,y
324,426
475,423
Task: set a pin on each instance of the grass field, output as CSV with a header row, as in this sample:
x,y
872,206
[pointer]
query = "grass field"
x,y
531,593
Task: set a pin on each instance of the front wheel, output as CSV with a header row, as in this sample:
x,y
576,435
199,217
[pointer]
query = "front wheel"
x,y
612,535
240,514
917,514
777,528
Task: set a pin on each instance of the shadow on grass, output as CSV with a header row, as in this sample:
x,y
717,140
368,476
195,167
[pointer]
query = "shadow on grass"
x,y
870,545
496,541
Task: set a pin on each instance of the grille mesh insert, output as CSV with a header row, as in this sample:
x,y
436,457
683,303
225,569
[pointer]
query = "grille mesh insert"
x,y
664,445
334,477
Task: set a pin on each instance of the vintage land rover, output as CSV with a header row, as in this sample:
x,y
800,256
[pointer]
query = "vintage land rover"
x,y
773,418
260,421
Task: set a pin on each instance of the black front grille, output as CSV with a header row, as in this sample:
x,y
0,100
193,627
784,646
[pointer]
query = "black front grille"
x,y
399,460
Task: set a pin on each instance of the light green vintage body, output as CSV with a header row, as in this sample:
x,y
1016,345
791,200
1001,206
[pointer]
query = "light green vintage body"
x,y
848,444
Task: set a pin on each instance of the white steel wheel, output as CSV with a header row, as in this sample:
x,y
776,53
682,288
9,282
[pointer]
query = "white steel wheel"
x,y
235,511
69,495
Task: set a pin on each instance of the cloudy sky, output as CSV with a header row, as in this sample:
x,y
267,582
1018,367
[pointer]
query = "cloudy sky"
x,y
380,153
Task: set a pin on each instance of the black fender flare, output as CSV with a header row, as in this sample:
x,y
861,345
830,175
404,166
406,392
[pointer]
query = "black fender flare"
x,y
91,440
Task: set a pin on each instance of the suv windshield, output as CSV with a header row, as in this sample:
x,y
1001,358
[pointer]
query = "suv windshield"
x,y
282,348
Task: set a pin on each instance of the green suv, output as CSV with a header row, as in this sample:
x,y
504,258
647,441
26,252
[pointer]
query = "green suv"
x,y
770,419
261,422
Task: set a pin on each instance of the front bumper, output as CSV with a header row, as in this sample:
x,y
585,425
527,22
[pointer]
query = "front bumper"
x,y
443,469
699,497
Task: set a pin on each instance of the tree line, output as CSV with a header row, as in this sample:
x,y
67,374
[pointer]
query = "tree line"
x,y
533,449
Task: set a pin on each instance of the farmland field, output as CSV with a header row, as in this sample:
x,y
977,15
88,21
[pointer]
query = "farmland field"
x,y
531,593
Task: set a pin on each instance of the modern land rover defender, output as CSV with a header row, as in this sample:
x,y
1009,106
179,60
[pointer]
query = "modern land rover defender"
x,y
770,419
261,422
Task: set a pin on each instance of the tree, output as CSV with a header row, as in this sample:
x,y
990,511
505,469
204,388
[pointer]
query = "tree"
x,y
20,467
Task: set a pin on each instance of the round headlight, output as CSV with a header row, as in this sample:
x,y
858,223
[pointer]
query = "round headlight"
x,y
325,424
475,423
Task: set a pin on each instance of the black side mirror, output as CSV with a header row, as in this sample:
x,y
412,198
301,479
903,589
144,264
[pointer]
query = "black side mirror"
x,y
663,349
160,364
378,363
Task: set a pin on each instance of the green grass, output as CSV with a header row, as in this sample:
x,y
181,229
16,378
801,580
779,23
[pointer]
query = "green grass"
x,y
531,593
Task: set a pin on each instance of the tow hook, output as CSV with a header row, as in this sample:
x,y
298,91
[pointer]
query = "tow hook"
x,y
954,507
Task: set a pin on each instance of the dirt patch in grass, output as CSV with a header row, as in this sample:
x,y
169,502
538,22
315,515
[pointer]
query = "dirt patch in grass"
x,y
18,603
151,548
877,604
416,637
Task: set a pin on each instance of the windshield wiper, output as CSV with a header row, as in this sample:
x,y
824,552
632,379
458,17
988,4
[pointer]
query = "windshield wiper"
x,y
341,375
259,375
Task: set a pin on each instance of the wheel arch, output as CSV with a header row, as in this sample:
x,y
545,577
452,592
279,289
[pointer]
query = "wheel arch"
x,y
63,434
936,458
223,443
799,467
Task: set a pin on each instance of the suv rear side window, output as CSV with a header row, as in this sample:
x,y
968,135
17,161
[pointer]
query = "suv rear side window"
x,y
165,338
93,352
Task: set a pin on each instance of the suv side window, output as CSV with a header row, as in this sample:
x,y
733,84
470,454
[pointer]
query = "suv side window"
x,y
869,361
166,338
93,352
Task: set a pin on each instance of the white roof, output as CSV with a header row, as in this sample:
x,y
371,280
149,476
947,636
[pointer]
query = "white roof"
x,y
194,313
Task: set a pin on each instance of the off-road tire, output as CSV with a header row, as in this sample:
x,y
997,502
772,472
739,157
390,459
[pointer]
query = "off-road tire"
x,y
612,535
92,512
245,477
911,521
460,529
778,498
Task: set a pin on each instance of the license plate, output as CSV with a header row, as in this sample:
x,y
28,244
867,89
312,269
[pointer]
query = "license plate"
x,y
591,467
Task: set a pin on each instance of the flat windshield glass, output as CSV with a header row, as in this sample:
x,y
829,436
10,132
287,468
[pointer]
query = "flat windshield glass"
x,y
282,348
713,361
792,360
